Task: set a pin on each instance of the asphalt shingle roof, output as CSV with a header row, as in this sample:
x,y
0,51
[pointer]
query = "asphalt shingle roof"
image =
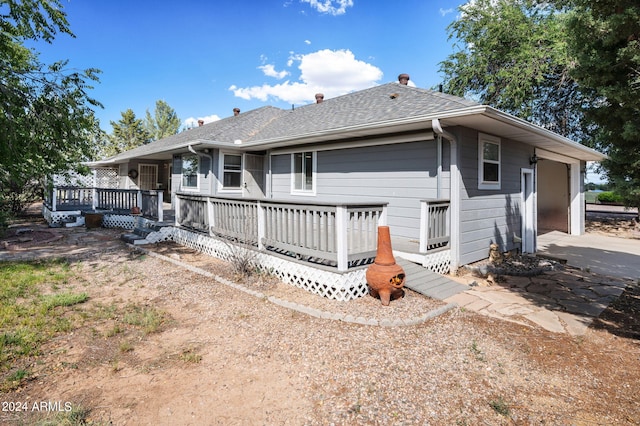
x,y
377,104
374,105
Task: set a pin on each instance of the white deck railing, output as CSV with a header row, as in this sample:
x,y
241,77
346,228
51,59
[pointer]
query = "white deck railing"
x,y
434,224
337,235
68,198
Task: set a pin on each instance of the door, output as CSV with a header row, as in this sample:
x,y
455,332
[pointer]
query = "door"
x,y
253,176
148,176
528,211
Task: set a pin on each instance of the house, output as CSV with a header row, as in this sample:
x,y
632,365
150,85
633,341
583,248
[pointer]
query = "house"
x,y
310,185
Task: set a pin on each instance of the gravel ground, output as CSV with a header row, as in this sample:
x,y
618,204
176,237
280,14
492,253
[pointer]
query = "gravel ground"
x,y
262,363
457,368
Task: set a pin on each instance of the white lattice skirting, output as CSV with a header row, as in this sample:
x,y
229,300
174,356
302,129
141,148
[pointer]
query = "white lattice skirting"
x,y
57,218
438,262
118,221
338,286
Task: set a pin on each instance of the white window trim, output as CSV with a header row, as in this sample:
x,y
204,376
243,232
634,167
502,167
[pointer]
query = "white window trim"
x,y
314,160
221,188
482,138
189,188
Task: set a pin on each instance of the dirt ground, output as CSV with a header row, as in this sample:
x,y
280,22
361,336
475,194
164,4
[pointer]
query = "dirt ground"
x,y
220,356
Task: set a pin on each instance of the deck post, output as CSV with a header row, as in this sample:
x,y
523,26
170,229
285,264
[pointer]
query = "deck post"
x,y
383,216
262,225
211,215
424,225
342,219
94,198
160,202
54,196
139,199
177,211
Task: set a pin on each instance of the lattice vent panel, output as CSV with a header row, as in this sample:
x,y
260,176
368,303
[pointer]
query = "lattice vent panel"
x,y
118,221
327,284
107,178
439,262
57,218
164,234
73,179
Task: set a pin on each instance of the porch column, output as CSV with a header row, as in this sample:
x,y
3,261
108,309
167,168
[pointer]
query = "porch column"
x,y
342,248
160,209
139,199
576,199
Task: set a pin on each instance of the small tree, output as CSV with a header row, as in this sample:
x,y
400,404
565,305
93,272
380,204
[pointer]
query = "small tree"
x,y
163,123
47,117
129,132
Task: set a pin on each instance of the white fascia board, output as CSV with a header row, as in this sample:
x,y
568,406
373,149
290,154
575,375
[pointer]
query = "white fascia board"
x,y
588,154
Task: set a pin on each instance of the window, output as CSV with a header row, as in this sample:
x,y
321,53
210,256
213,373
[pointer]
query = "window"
x,y
231,171
303,171
190,171
488,162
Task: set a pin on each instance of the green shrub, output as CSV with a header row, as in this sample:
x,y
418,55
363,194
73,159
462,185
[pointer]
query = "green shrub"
x,y
609,197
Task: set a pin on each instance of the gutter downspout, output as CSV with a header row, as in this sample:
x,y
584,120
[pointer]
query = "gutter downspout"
x,y
454,195
439,168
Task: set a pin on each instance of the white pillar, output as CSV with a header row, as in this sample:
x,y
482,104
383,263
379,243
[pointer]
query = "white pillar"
x,y
262,225
577,200
342,248
160,209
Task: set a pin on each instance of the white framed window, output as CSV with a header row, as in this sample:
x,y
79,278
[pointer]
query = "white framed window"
x,y
489,162
190,166
303,176
231,166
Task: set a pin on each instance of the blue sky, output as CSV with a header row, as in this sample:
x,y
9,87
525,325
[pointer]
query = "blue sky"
x,y
206,57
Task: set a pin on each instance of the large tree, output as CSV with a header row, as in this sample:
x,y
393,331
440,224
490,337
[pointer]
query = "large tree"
x,y
46,113
512,54
129,132
605,39
163,123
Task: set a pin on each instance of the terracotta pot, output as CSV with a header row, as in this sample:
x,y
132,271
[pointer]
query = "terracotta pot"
x,y
135,210
385,277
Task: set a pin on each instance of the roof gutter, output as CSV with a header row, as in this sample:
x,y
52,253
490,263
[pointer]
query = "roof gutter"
x,y
454,194
529,127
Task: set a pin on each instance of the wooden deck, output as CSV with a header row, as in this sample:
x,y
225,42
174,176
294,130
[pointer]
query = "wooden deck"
x,y
429,283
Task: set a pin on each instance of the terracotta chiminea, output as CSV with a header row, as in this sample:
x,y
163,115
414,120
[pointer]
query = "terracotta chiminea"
x,y
385,277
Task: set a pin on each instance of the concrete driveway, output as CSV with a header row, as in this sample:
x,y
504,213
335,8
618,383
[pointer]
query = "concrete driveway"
x,y
610,256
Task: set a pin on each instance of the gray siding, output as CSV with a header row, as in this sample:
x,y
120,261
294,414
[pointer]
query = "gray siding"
x,y
489,216
400,174
206,178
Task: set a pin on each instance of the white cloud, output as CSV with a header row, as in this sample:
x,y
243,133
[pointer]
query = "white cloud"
x,y
445,12
193,122
332,7
270,71
332,72
307,42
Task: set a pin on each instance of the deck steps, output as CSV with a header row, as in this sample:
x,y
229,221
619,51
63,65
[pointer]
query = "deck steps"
x,y
427,282
140,232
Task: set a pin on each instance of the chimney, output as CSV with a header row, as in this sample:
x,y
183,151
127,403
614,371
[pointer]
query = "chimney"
x,y
236,111
403,79
319,98
200,123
